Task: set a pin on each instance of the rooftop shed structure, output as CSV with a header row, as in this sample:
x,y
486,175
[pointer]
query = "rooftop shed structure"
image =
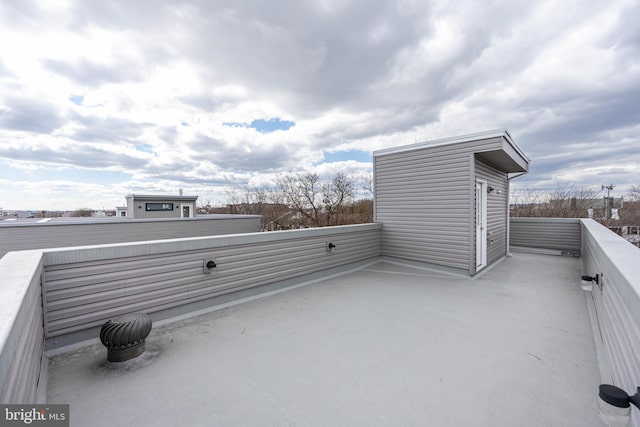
x,y
160,206
446,202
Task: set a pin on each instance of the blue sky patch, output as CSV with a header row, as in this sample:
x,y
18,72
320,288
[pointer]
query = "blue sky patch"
x,y
146,148
263,125
76,99
271,125
343,156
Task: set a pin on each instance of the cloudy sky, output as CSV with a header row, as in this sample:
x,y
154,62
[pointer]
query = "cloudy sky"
x,y
99,99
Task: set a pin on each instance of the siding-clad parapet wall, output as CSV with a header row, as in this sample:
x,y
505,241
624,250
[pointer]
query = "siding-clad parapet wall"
x,y
21,332
86,286
617,301
561,234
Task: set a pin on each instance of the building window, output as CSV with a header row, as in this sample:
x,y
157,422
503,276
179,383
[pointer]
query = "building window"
x,y
159,206
123,213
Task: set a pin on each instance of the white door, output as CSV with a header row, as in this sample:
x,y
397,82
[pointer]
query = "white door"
x,y
186,211
481,224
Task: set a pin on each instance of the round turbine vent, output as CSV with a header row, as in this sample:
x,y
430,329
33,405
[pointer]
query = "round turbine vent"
x,y
124,336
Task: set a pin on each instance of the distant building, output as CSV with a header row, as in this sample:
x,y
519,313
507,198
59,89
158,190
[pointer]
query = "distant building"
x,y
603,207
121,211
20,214
152,206
597,203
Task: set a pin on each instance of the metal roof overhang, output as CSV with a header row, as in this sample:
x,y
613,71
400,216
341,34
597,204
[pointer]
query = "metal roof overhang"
x,y
505,161
510,158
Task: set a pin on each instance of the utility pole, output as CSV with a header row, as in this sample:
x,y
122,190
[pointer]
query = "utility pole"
x,y
607,200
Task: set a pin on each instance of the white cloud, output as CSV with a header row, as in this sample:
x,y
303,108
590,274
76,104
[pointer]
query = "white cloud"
x,y
160,83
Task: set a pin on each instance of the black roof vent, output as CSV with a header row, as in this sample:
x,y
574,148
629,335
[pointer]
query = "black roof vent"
x,y
124,336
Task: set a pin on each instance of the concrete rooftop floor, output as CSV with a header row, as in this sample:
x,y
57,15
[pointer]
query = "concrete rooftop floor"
x,y
386,345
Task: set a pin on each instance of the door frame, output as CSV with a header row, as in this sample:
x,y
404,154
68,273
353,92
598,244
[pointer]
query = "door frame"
x,y
186,205
481,224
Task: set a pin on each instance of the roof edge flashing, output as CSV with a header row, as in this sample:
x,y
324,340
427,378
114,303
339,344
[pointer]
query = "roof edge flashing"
x,y
507,137
495,133
142,197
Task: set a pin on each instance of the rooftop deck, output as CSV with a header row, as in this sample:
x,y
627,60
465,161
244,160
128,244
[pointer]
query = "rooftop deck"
x,y
389,344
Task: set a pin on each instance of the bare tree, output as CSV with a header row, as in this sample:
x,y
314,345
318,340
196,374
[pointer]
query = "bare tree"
x,y
302,192
631,213
525,202
266,201
569,201
319,203
361,211
564,201
583,199
340,190
559,204
366,184
81,212
302,200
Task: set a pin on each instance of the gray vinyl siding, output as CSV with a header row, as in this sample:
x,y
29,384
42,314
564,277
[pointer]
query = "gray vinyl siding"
x,y
113,230
21,351
424,198
81,295
496,210
561,234
130,208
